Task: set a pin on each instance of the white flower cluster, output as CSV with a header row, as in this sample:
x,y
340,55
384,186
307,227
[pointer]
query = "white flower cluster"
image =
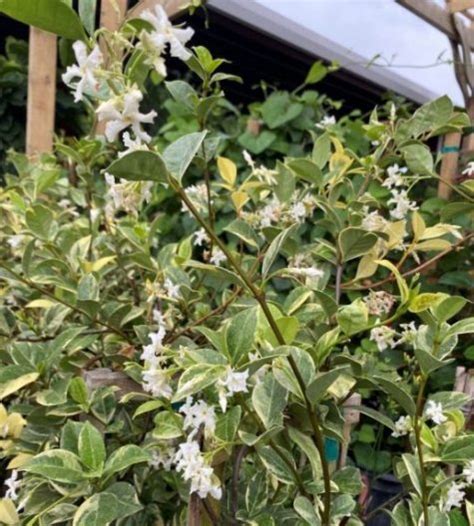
x,y
232,383
126,195
434,412
326,122
191,463
385,337
155,379
120,100
455,495
197,194
301,266
373,221
400,198
197,414
276,212
262,173
402,426
379,302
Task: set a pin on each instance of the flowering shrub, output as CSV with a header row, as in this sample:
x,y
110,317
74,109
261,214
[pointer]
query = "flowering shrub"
x,y
202,378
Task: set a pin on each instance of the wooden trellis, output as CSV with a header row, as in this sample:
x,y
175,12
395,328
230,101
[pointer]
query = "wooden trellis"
x,y
456,21
43,67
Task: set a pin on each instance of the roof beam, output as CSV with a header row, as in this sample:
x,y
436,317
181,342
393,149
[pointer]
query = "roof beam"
x,y
455,6
436,16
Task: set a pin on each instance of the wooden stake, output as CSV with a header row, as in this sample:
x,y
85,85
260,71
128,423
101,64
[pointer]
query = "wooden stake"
x,y
449,164
112,12
41,92
172,7
460,5
351,417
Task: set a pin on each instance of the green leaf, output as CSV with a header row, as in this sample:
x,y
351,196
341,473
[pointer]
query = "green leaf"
x,y
465,326
322,150
316,73
168,425
278,109
318,388
307,170
275,463
306,511
459,449
425,301
179,155
274,249
284,374
15,377
243,231
432,115
124,457
306,444
40,220
183,93
140,166
398,394
269,401
57,465
78,390
54,16
348,480
228,423
418,158
428,362
91,447
342,506
240,334
413,470
87,12
353,318
448,308
355,242
257,144
196,378
375,415
288,327
118,501
450,399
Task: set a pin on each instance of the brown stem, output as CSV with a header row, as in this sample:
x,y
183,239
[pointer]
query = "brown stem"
x,y
242,451
419,268
419,449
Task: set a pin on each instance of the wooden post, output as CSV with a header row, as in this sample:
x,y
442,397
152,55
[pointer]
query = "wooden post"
x,y
172,7
449,164
112,12
351,417
41,92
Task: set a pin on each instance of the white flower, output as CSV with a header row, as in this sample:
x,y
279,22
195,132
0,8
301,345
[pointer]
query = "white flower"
x,y
172,290
13,484
154,349
155,381
409,333
123,111
434,411
270,213
153,46
455,496
163,457
402,204
468,472
402,426
395,177
166,33
235,382
191,463
384,337
217,257
373,220
327,120
84,70
197,414
198,195
248,159
232,383
126,195
309,272
469,170
379,302
298,211
200,237
132,145
15,241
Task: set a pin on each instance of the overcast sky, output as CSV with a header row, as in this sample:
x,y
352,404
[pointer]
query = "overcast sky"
x,y
380,27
